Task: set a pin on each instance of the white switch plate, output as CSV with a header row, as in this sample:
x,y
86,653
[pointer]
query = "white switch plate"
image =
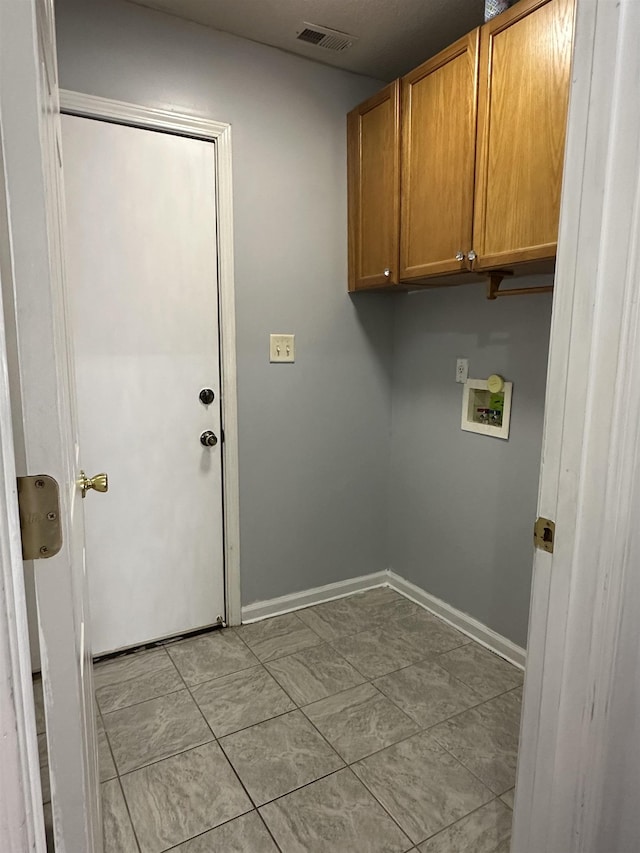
x,y
282,348
462,370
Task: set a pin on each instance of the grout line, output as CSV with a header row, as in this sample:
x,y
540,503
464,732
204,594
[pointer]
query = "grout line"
x,y
384,808
268,828
165,758
237,775
141,702
207,680
219,826
104,729
468,769
300,707
474,707
126,805
215,739
180,752
289,653
464,817
347,766
301,787
116,778
156,644
222,750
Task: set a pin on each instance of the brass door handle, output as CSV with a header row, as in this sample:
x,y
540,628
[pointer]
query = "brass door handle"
x,y
100,483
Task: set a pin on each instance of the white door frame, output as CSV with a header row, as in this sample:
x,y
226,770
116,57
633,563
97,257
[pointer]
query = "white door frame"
x,y
578,718
21,823
89,106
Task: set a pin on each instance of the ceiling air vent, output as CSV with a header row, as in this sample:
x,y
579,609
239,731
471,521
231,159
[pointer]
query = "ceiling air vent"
x,y
324,37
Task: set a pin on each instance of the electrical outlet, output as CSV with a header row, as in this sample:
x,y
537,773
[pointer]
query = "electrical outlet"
x,y
462,370
282,348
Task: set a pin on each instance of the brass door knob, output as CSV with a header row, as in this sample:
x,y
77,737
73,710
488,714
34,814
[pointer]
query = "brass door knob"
x,y
100,483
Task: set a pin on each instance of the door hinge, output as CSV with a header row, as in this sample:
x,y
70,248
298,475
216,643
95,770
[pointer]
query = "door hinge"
x,y
39,504
544,534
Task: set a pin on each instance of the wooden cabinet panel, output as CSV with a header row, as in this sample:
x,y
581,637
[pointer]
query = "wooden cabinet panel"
x,y
373,165
438,155
525,60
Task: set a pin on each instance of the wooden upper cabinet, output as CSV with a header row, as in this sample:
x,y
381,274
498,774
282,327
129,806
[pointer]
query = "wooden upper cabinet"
x,y
525,61
438,155
373,166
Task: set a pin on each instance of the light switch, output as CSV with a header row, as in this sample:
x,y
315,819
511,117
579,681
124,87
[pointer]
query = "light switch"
x,y
282,348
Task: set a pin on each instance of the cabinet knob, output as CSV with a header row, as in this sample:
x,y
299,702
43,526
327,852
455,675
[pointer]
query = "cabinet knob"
x,y
472,255
387,272
459,256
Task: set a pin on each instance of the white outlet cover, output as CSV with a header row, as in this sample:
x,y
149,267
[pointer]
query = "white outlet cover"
x,y
282,349
462,370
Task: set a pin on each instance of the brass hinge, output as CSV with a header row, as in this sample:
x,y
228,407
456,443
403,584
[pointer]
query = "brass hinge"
x,y
544,534
39,503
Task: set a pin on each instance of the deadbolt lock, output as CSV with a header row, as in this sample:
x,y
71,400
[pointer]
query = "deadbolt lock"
x,y
544,534
100,483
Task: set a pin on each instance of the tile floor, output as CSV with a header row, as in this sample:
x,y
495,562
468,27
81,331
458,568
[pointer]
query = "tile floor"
x,y
363,724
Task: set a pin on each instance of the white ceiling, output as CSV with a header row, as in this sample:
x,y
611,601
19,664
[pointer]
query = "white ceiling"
x,y
394,35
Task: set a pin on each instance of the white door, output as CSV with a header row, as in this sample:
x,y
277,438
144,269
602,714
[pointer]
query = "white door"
x,y
43,410
142,265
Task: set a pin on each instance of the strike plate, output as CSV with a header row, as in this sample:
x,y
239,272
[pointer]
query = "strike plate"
x,y
544,534
39,502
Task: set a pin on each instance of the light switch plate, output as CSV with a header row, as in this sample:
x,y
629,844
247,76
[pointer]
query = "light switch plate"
x,y
282,348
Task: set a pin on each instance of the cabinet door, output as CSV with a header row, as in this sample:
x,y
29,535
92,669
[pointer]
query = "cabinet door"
x,y
525,63
373,164
438,157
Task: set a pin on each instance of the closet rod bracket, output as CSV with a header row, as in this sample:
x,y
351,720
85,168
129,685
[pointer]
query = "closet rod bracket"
x,y
494,281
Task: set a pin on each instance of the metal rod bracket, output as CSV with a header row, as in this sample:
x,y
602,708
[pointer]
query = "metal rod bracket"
x,y
494,281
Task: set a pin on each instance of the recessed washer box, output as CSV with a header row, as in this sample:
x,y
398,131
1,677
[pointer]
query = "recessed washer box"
x,y
485,411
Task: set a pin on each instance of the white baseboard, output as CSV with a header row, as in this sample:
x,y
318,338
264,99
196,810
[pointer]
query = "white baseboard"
x,y
317,595
462,621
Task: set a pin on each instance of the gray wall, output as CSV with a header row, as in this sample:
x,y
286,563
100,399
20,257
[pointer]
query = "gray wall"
x,y
314,436
319,500
463,504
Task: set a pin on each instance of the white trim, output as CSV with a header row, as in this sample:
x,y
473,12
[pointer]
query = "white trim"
x,y
91,106
579,752
306,598
183,124
332,591
466,624
21,821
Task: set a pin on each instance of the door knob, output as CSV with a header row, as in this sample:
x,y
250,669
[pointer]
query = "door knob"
x,y
100,483
208,439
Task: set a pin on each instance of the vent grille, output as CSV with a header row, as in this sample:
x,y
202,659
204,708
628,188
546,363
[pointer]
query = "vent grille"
x,y
324,37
